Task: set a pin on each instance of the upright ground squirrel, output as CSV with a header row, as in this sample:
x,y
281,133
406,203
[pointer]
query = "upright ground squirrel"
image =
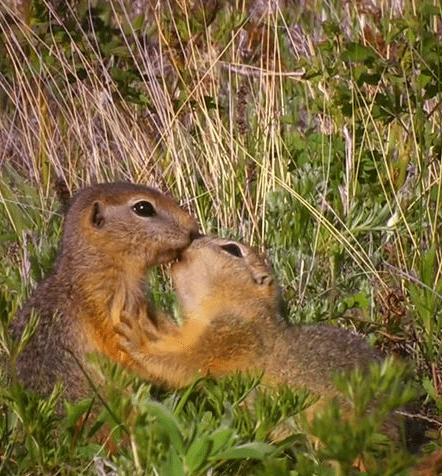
x,y
112,233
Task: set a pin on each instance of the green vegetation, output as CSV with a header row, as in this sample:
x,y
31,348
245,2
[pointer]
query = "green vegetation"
x,y
311,130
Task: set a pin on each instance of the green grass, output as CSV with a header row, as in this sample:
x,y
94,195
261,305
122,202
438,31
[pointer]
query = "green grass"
x,y
312,132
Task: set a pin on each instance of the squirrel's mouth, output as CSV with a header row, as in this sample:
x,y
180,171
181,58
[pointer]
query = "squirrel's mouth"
x,y
180,264
184,254
177,258
175,261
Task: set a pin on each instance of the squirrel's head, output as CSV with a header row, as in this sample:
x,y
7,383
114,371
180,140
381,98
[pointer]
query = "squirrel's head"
x,y
124,221
229,276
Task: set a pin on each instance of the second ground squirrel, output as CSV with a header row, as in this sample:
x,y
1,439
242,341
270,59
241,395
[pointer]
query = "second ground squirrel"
x,y
112,233
233,322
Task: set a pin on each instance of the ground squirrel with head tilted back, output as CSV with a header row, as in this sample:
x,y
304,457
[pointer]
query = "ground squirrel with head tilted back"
x,y
112,233
233,322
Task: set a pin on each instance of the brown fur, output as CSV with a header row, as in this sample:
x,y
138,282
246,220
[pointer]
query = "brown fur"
x,y
105,251
232,321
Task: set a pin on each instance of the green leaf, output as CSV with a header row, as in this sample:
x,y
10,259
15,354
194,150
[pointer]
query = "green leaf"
x,y
357,52
76,410
12,208
423,80
120,51
220,439
169,424
174,465
428,10
28,331
428,266
255,450
198,453
137,22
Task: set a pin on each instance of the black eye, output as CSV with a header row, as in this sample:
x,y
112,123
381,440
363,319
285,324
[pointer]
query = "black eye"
x,y
233,249
144,209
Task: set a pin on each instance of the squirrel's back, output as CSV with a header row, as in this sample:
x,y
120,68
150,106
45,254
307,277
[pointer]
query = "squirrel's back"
x,y
310,356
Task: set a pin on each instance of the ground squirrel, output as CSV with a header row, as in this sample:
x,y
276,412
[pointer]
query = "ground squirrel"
x,y
112,233
231,305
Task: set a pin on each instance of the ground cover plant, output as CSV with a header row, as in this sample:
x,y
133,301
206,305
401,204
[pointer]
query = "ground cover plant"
x,y
310,129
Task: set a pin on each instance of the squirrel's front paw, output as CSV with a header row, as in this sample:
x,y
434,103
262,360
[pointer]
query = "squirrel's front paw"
x,y
135,333
129,342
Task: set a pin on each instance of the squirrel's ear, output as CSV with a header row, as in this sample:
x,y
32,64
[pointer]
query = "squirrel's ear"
x,y
97,217
233,249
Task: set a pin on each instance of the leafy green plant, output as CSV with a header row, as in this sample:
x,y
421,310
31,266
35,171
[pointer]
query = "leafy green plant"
x,y
426,296
348,434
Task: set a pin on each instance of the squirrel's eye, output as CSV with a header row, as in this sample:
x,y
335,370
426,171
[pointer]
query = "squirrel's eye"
x,y
233,249
144,209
